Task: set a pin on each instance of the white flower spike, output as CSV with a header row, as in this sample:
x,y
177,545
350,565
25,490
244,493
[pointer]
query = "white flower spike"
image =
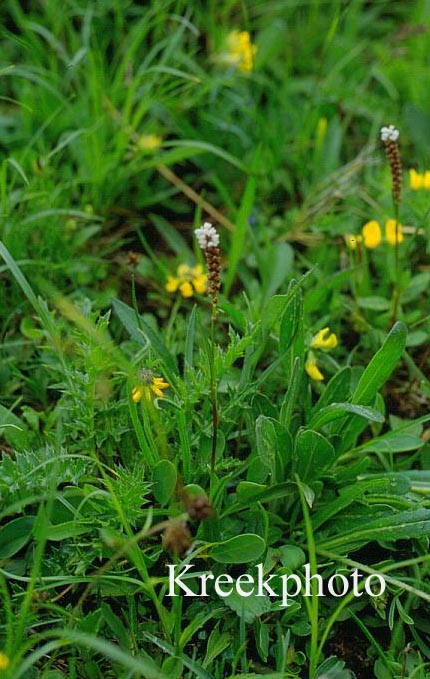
x,y
389,133
207,236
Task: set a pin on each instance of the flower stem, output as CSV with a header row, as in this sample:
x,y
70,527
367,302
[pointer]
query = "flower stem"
x,y
214,395
396,290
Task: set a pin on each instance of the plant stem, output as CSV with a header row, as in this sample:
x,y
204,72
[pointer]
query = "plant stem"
x,y
396,291
314,603
214,396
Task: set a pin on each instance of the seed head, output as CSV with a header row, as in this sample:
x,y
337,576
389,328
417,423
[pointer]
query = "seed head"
x,y
199,507
176,537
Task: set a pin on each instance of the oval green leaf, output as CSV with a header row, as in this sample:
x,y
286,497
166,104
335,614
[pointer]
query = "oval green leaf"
x,y
239,549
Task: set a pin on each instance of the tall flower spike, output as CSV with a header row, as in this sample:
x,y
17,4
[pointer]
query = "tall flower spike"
x,y
390,137
208,239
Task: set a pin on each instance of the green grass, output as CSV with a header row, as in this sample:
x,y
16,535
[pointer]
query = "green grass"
x,y
97,488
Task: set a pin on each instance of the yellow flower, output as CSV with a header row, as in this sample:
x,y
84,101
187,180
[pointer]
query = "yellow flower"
x,y
149,142
188,280
186,289
312,368
353,241
172,284
240,51
415,180
390,232
324,339
419,181
371,234
150,386
4,661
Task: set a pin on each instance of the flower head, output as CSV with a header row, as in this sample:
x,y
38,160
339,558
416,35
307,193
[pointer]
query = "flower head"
x,y
312,368
419,181
324,339
389,133
240,51
415,180
149,387
149,142
188,280
371,234
4,661
207,236
393,235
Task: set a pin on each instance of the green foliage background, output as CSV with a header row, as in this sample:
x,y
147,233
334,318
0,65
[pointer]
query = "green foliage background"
x,y
286,161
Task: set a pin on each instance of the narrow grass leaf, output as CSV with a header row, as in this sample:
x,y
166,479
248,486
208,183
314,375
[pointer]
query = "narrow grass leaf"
x,y
241,221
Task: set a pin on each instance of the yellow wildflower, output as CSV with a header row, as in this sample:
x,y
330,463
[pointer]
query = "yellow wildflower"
x,y
419,181
353,241
324,339
186,289
415,180
4,661
149,142
240,51
390,232
149,387
312,368
371,234
188,280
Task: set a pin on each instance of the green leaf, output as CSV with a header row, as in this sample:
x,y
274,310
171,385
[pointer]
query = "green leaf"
x,y
292,557
278,265
374,303
250,607
276,305
267,441
138,664
164,478
239,549
69,529
247,490
371,380
389,484
393,442
216,644
237,247
14,535
13,430
313,453
381,366
337,390
290,321
189,340
336,410
142,332
411,523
